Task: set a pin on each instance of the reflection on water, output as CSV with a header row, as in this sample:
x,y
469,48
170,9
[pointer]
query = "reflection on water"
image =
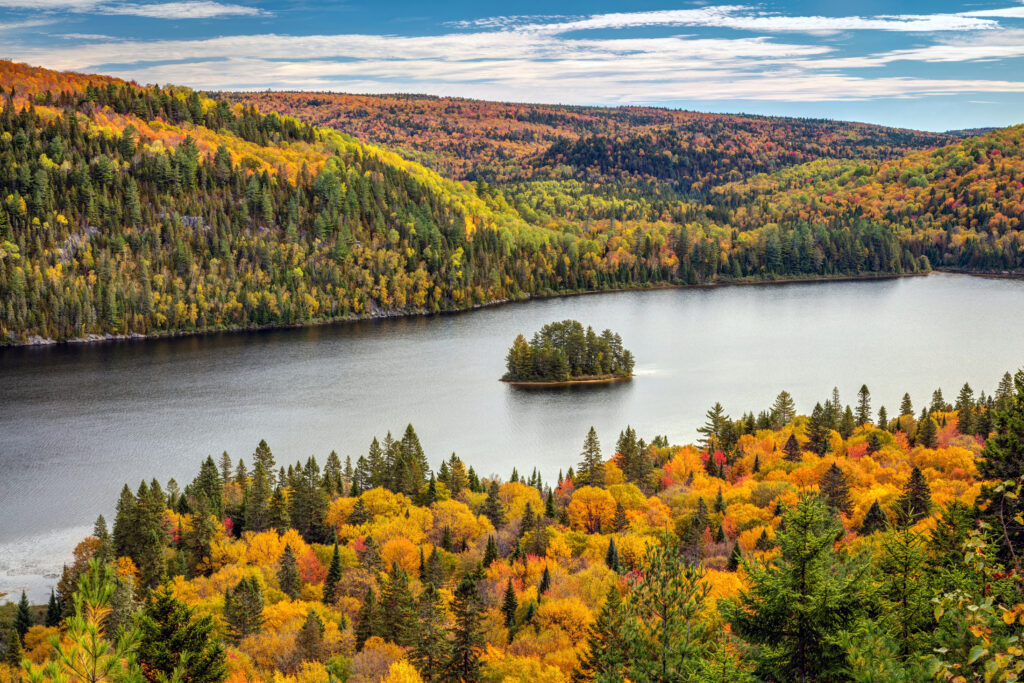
x,y
77,422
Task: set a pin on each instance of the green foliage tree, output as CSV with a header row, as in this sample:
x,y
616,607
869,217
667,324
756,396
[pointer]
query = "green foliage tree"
x,y
172,639
606,655
464,659
590,471
243,608
288,573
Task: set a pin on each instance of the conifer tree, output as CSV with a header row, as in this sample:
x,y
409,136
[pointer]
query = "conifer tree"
x,y
545,582
309,641
333,577
208,482
606,654
783,410
798,604
278,518
719,504
173,639
938,404
818,431
906,406
398,609
430,652
257,500
490,552
288,573
906,595
863,406
965,410
791,449
611,558
368,619
875,520
53,612
735,558
359,514
836,490
619,521
591,467
23,617
13,655
243,608
509,605
493,509
1002,460
915,501
883,418
927,433
848,423
435,572
464,660
263,456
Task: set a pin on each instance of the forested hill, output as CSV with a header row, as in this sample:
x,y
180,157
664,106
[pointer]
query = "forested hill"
x,y
960,205
500,141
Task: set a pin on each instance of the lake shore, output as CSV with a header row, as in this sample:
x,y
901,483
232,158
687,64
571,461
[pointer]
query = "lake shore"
x,y
94,338
591,379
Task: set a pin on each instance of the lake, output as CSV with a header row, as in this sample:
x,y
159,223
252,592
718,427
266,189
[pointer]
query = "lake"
x,y
77,422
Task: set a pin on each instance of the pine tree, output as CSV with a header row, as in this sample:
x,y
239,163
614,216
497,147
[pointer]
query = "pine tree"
x,y
836,490
431,649
509,605
591,468
875,520
309,641
53,612
928,433
611,558
883,418
791,449
797,605
398,609
333,577
713,428
257,500
863,406
938,404
14,653
172,639
848,423
464,661
619,521
965,410
23,617
719,505
607,654
263,456
435,571
493,508
636,466
209,483
368,622
916,500
735,558
1002,460
278,518
906,406
905,592
783,410
288,573
549,506
545,582
243,608
491,552
308,504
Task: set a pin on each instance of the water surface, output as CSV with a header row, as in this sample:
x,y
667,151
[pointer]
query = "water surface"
x,y
77,422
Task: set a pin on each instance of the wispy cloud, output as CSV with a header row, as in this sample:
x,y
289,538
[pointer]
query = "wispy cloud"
x,y
185,9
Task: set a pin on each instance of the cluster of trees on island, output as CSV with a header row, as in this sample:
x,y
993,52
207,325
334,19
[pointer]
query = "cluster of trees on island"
x,y
848,545
564,352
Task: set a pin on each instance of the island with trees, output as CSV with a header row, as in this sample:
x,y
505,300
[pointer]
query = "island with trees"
x,y
563,353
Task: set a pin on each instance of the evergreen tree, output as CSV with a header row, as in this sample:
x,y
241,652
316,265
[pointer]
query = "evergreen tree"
x,y
430,652
309,641
905,593
797,605
288,573
173,639
916,499
783,410
545,582
791,449
875,520
863,406
493,509
938,404
435,571
398,609
333,577
719,505
359,514
23,617
611,558
509,605
368,619
13,655
883,418
713,428
53,611
636,466
591,468
664,632
243,608
264,457
619,521
836,490
848,423
928,433
464,659
906,406
209,483
1002,460
278,518
818,431
490,552
735,558
257,500
965,410
308,505
607,653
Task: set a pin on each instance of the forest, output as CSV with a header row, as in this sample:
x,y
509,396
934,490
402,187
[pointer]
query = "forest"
x,y
143,211
563,351
851,544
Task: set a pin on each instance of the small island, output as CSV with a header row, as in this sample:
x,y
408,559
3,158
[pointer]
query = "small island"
x,y
563,353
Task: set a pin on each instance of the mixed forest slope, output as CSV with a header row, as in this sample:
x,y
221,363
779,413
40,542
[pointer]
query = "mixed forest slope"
x,y
845,545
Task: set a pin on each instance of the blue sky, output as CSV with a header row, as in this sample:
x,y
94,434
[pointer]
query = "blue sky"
x,y
929,65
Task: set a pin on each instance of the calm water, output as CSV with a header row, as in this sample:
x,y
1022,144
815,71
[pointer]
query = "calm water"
x,y
78,422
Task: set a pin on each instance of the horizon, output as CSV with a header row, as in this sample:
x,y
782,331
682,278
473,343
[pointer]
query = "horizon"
x,y
935,67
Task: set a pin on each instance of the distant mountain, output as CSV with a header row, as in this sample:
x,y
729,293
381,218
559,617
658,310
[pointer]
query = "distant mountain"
x,y
971,132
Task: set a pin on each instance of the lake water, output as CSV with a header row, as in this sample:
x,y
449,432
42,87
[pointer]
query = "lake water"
x,y
77,422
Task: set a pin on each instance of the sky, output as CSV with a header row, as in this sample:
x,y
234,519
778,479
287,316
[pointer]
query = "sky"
x,y
934,65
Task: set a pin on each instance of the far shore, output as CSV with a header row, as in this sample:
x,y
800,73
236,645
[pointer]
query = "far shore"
x,y
589,379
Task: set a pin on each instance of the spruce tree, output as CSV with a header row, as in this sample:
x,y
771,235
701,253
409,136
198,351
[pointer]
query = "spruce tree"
x,y
309,641
288,573
791,449
883,418
836,490
509,605
257,500
493,509
735,558
243,608
333,577
783,410
368,621
490,552
906,406
468,641
607,654
818,431
278,518
264,457
430,652
13,655
798,604
927,433
173,639
619,521
848,423
906,596
1002,460
863,406
875,520
53,612
398,609
916,499
719,504
611,558
435,571
23,617
545,582
591,467
965,410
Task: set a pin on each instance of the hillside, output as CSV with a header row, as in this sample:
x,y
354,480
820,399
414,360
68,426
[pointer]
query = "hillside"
x,y
880,545
960,205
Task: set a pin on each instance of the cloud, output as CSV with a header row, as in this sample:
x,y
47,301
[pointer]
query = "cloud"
x,y
185,9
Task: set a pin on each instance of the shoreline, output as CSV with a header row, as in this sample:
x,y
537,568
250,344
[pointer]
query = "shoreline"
x,y
543,384
94,338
